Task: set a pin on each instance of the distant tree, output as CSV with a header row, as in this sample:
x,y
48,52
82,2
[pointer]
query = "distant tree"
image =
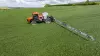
x,y
87,1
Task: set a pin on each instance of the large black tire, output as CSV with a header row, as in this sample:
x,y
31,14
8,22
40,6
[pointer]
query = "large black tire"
x,y
33,22
43,20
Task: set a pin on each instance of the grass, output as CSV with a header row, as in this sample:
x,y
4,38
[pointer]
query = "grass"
x,y
17,38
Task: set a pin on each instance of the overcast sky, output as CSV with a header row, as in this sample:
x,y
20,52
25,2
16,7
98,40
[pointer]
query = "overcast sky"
x,y
34,3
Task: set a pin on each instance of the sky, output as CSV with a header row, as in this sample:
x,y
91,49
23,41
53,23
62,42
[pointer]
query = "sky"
x,y
34,3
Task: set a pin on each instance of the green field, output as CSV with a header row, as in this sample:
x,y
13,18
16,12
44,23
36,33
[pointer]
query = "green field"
x,y
17,38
